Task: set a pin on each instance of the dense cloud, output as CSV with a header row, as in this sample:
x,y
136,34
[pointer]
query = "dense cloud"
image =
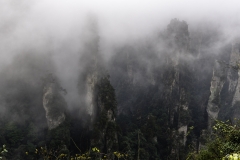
x,y
59,29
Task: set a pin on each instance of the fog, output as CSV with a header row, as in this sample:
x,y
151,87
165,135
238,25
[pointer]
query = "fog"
x,y
59,29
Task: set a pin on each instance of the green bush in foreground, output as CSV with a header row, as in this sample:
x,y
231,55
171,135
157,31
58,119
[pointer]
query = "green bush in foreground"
x,y
93,154
224,143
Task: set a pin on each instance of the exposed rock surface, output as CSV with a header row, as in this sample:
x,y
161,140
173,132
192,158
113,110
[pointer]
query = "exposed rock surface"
x,y
95,86
53,103
235,57
225,88
215,89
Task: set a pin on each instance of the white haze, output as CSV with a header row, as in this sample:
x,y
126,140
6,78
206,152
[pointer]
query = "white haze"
x,y
57,26
32,23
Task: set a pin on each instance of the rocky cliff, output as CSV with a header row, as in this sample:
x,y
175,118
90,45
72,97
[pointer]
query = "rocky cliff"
x,y
228,92
53,102
100,102
217,83
157,87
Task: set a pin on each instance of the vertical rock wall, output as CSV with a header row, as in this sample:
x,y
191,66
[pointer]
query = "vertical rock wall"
x,y
225,75
53,103
95,86
235,62
215,90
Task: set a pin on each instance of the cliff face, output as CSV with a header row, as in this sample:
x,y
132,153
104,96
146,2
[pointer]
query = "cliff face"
x,y
53,102
232,83
158,87
100,102
179,84
101,106
179,35
217,83
224,98
34,107
234,77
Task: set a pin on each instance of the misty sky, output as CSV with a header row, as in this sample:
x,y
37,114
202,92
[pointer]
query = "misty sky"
x,y
58,27
35,24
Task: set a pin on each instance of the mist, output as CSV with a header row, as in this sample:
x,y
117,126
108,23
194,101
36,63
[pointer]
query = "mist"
x,y
110,73
59,30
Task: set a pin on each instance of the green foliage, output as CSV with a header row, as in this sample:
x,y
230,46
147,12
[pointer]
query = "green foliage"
x,y
14,134
106,93
59,136
225,140
184,117
93,154
48,154
134,144
104,134
3,151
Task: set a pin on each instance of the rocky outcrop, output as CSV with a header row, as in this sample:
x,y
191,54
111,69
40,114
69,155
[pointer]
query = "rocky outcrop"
x,y
232,76
235,64
179,35
224,88
90,87
101,107
95,86
183,116
217,83
53,102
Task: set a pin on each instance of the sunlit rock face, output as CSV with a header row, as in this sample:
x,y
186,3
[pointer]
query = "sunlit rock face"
x,y
53,103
